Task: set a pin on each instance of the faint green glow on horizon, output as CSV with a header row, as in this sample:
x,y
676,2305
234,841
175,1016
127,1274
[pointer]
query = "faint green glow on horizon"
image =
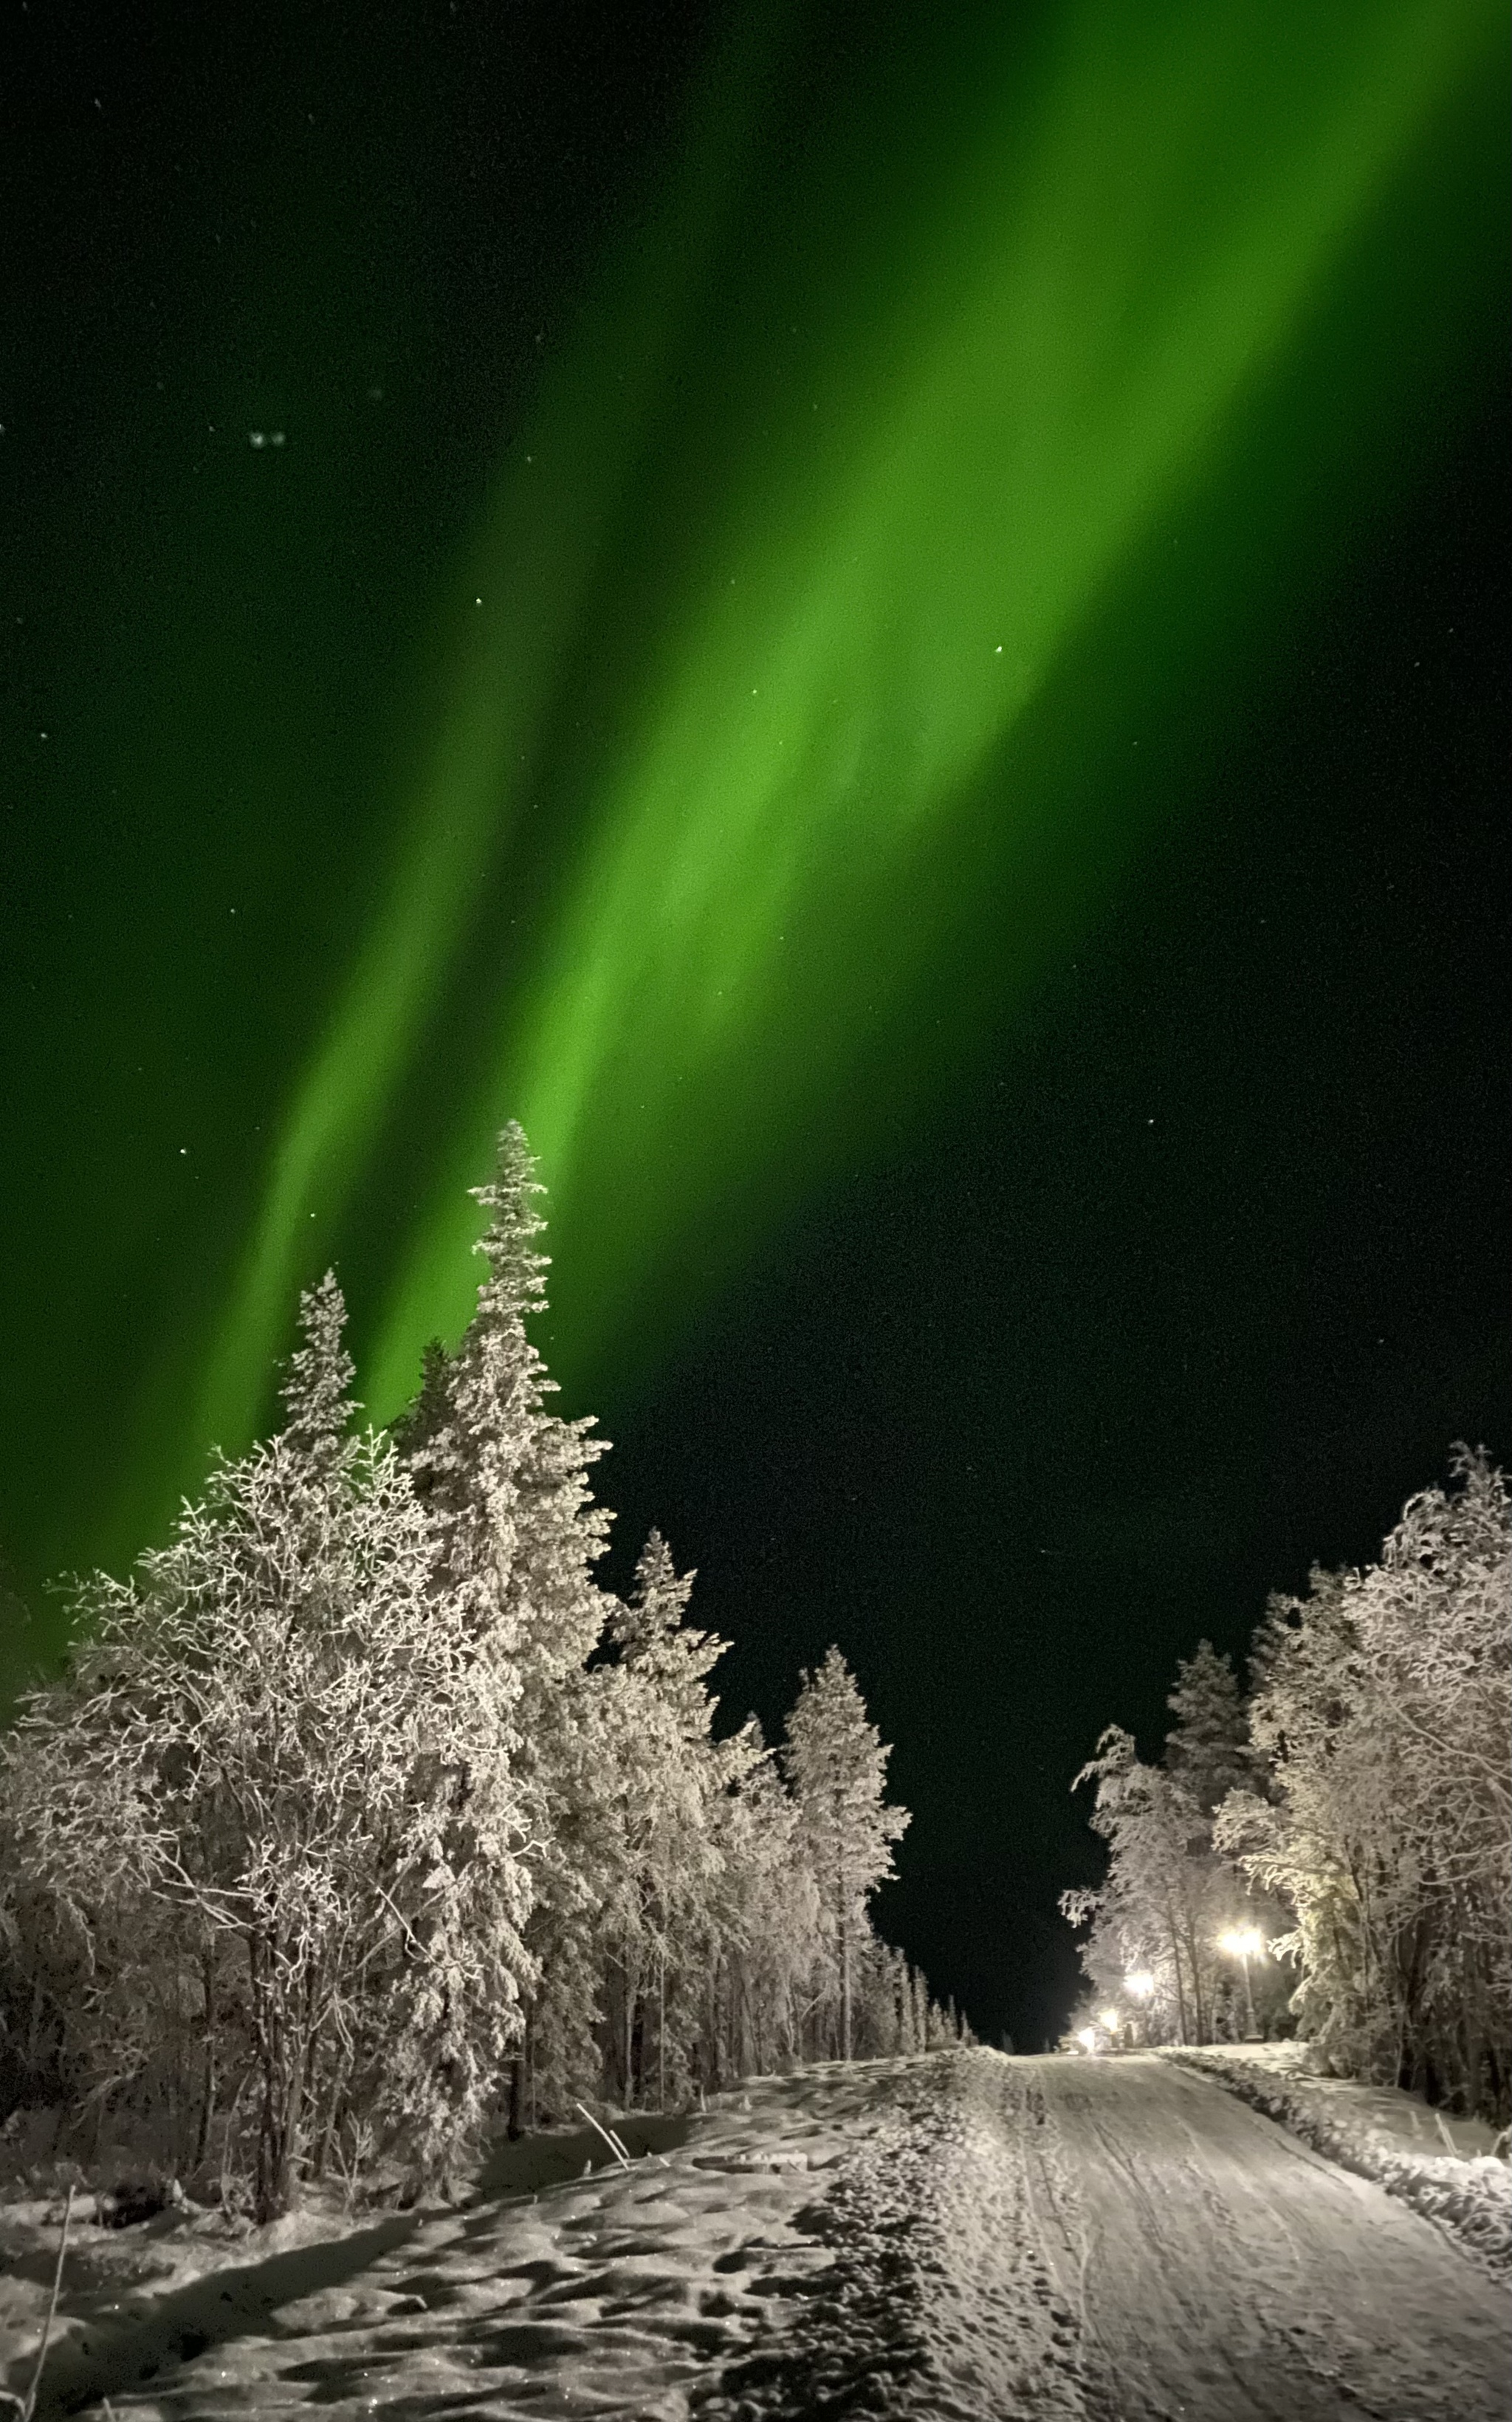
x,y
879,594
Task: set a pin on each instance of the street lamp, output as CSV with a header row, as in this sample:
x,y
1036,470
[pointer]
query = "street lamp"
x,y
1244,1944
1140,1985
1087,2038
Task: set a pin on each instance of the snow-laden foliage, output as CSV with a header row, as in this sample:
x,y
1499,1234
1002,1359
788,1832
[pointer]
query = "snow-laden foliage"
x,y
835,1765
1169,1899
281,1762
670,1908
516,1533
1383,1703
1358,1813
363,1816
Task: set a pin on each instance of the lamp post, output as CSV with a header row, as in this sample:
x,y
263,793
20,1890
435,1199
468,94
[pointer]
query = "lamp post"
x,y
1243,1944
1140,1985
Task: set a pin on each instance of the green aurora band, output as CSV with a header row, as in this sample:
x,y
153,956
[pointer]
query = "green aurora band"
x,y
861,755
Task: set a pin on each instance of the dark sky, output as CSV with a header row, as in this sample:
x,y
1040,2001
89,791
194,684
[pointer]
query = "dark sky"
x,y
1150,1244
1192,1292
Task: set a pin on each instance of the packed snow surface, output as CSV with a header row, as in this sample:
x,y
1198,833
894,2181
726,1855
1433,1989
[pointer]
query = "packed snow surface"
x,y
1444,2166
956,2236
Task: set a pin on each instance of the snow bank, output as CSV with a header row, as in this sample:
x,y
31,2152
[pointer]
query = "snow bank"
x,y
564,2281
1373,2132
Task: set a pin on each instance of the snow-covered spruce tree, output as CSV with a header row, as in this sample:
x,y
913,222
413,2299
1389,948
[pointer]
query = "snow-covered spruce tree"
x,y
909,2038
1383,1704
760,1982
1207,1749
836,1766
878,2022
279,1742
505,1484
1209,1753
919,1989
666,1924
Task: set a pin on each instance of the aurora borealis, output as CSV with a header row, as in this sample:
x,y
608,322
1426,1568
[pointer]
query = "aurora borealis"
x,y
787,523
948,487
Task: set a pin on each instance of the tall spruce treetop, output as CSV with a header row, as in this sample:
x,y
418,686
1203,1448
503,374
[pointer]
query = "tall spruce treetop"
x,y
658,1601
317,1384
507,1482
1207,1749
836,1763
657,1644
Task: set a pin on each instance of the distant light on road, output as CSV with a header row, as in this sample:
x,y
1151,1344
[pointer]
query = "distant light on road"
x,y
1087,2038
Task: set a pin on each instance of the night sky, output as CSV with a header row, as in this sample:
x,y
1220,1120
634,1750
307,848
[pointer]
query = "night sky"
x,y
890,625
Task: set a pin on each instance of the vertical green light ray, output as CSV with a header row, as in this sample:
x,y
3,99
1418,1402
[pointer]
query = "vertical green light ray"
x,y
534,572
1097,292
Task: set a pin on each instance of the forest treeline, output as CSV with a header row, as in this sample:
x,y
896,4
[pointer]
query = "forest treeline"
x,y
1331,1853
363,1819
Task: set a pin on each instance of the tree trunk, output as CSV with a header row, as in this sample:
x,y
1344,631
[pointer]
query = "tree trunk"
x,y
207,2110
284,2050
207,2106
844,1992
843,1918
1199,2002
334,2112
1175,1963
661,2029
519,2071
279,2134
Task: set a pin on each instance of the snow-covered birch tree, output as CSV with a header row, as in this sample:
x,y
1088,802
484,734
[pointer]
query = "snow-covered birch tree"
x,y
1163,1900
1383,1705
1169,1895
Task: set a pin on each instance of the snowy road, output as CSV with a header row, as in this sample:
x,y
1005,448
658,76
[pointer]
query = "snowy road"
x,y
1220,2269
958,2237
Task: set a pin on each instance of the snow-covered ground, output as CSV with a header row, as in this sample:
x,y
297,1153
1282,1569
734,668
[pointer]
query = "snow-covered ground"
x,y
956,2236
1442,2166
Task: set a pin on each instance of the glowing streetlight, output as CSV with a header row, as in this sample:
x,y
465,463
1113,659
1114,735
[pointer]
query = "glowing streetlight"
x,y
1139,1983
1087,2038
1244,1944
1110,2020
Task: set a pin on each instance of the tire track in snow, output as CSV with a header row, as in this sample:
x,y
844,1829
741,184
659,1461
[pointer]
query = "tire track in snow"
x,y
951,2238
1233,2275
